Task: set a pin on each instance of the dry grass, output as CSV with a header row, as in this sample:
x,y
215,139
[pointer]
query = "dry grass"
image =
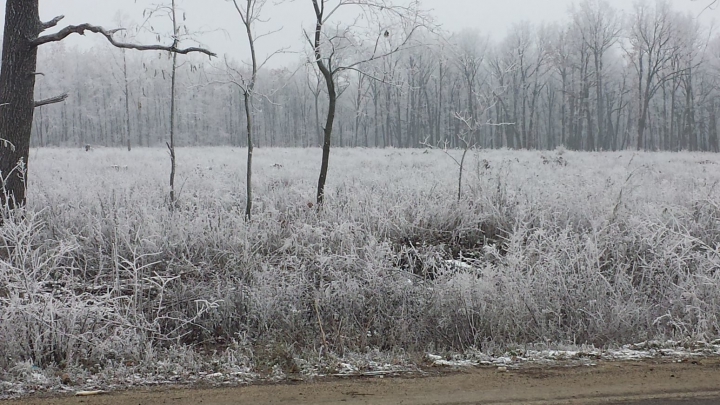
x,y
599,248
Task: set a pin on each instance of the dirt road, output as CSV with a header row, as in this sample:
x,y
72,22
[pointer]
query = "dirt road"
x,y
644,383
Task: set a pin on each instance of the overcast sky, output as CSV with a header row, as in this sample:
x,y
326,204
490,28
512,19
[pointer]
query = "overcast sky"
x,y
494,17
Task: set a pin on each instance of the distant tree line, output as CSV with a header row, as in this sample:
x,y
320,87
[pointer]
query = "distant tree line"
x,y
603,80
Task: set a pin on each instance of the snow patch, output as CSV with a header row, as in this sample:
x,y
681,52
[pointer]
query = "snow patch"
x,y
638,351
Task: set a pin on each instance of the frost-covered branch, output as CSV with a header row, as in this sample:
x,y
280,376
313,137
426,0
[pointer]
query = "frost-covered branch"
x,y
52,23
108,34
51,100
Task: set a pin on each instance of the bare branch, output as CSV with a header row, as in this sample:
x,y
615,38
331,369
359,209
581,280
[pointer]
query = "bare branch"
x,y
270,56
267,34
80,29
52,22
375,56
441,145
374,77
711,6
51,100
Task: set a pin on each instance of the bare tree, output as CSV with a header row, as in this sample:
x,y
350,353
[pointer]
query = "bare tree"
x,y
170,11
528,54
314,84
501,66
558,85
358,103
561,61
469,50
249,11
599,27
21,40
173,88
690,46
127,100
465,141
125,82
341,49
652,50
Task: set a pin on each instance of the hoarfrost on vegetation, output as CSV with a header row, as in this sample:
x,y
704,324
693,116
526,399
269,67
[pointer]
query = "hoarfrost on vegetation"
x,y
98,276
667,350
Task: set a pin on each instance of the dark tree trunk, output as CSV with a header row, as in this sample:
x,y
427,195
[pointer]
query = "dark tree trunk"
x,y
563,110
248,183
327,137
171,144
127,103
377,119
642,125
689,129
713,128
598,56
17,84
328,75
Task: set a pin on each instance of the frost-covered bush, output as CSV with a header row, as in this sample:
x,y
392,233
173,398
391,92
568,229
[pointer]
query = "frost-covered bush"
x,y
604,248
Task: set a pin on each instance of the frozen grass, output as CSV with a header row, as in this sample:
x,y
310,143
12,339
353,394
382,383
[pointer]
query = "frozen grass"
x,y
574,248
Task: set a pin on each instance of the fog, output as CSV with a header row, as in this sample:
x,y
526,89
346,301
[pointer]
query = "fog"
x,y
217,25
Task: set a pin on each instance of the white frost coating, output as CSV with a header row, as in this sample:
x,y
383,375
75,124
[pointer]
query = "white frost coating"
x,y
459,265
638,351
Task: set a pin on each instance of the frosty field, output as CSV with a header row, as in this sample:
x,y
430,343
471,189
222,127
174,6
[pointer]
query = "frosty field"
x,y
557,247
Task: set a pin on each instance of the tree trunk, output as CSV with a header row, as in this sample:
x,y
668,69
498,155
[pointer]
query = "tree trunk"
x,y
598,54
317,118
332,102
713,128
642,123
17,105
377,119
438,118
171,145
689,129
563,110
127,103
248,184
358,111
